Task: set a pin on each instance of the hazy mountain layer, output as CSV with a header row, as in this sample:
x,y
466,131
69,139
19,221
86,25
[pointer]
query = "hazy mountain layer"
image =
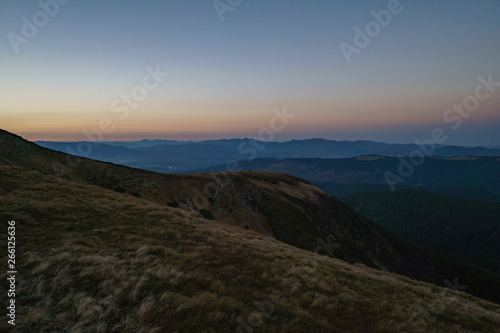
x,y
180,156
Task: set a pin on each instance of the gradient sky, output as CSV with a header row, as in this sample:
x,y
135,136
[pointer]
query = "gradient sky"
x,y
226,77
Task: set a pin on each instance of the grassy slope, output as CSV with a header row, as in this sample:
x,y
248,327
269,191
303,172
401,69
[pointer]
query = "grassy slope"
x,y
464,228
96,260
282,206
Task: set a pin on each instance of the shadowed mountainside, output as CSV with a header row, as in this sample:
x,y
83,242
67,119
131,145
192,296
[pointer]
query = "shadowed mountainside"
x,y
287,208
469,177
463,228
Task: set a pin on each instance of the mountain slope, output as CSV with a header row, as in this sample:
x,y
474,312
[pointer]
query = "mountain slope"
x,y
287,208
463,228
101,261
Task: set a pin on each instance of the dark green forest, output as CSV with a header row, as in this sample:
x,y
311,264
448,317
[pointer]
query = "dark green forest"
x,y
468,229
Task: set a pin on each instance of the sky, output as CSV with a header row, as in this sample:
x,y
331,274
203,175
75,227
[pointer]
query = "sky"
x,y
225,68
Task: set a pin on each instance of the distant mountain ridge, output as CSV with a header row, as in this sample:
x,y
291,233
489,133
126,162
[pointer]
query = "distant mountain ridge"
x,y
184,156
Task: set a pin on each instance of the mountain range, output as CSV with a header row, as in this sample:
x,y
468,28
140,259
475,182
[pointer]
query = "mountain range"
x,y
181,156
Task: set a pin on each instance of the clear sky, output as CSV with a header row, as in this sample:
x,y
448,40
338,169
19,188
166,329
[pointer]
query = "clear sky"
x,y
226,76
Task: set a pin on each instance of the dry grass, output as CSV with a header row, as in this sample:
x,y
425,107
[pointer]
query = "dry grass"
x,y
292,210
122,264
